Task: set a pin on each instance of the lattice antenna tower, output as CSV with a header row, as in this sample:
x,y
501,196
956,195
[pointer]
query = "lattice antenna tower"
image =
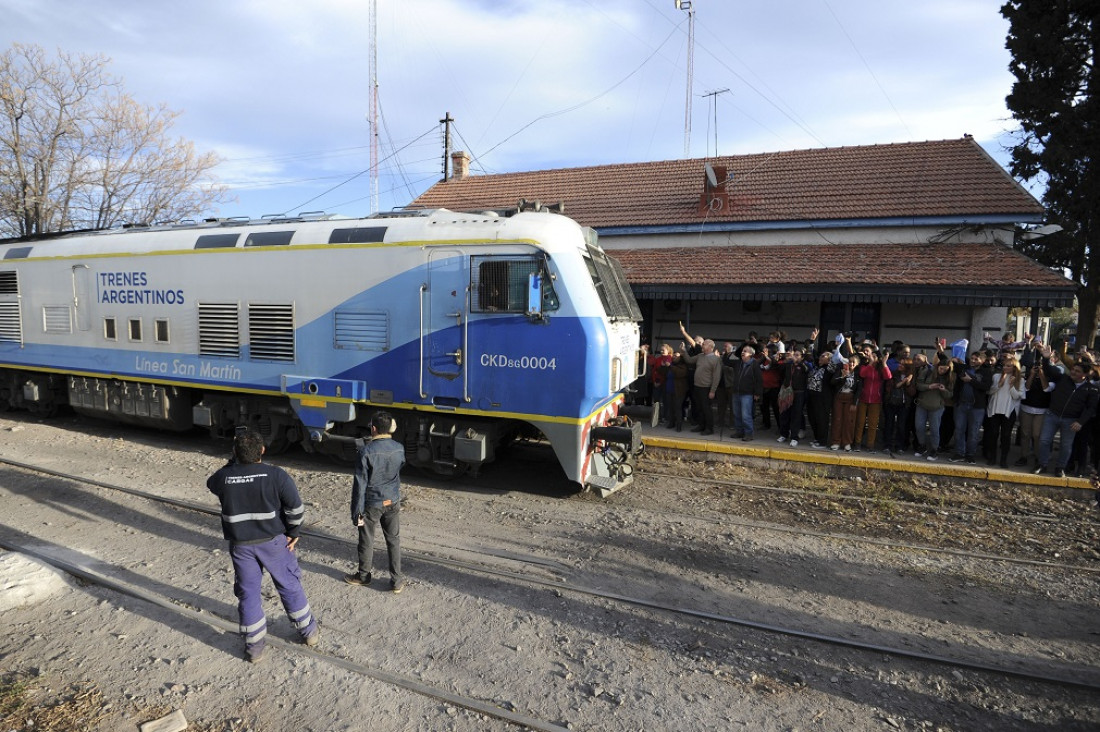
x,y
373,106
685,5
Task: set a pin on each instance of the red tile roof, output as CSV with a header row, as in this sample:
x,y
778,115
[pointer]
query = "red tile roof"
x,y
976,266
947,178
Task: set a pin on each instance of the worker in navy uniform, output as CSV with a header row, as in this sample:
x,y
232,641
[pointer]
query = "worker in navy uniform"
x,y
261,517
376,499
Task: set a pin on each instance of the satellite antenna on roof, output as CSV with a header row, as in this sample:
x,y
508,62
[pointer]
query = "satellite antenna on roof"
x,y
715,197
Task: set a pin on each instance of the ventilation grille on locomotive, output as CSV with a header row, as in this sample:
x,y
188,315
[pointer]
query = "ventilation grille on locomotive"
x,y
57,319
271,332
362,330
11,325
219,330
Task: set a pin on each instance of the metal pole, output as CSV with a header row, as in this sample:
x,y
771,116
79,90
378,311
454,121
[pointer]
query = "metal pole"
x,y
685,5
373,106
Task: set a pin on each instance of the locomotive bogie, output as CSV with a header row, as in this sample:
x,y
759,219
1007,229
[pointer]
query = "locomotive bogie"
x,y
42,394
137,403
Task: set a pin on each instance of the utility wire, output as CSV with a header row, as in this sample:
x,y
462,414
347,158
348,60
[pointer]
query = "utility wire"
x,y
788,113
361,172
868,67
585,103
400,168
469,151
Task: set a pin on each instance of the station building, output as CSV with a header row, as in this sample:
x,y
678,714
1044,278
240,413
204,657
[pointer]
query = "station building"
x,y
908,241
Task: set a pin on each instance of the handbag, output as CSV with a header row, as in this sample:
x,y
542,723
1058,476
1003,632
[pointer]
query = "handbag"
x,y
786,398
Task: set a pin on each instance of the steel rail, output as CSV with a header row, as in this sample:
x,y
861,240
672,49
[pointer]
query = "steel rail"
x,y
1066,680
861,499
208,618
727,520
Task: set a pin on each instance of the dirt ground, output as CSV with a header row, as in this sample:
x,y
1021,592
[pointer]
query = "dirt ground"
x,y
527,635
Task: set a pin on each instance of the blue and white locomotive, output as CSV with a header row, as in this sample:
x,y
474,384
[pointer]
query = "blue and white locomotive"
x,y
473,329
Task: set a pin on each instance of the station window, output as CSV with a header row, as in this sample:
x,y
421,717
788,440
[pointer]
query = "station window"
x,y
135,329
110,329
160,326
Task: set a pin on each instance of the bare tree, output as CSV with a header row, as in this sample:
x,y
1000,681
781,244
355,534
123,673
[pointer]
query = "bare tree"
x,y
77,152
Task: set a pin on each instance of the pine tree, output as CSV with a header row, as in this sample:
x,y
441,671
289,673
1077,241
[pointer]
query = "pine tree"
x,y
1053,45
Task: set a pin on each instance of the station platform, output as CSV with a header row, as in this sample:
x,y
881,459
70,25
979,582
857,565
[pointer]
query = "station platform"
x,y
764,446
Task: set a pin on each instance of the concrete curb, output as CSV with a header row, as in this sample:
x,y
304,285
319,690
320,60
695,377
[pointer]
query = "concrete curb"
x,y
760,449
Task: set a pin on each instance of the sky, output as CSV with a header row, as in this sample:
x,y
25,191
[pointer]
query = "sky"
x,y
280,89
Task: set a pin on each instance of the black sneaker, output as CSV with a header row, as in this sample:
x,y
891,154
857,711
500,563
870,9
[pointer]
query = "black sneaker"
x,y
356,579
396,586
959,458
1039,469
932,456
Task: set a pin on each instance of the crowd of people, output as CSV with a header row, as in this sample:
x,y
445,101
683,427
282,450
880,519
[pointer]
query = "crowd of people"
x,y
1003,402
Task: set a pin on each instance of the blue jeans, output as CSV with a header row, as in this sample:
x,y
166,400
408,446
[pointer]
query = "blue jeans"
x,y
1051,424
249,563
933,418
968,421
742,405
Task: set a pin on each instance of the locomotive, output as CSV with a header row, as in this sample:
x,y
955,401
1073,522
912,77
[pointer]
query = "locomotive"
x,y
472,329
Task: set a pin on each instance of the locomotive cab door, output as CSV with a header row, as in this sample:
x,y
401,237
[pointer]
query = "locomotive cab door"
x,y
82,296
445,301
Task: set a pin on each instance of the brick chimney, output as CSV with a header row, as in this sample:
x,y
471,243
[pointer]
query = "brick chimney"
x,y
460,164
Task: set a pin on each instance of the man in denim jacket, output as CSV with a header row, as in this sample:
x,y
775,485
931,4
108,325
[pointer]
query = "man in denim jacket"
x,y
376,499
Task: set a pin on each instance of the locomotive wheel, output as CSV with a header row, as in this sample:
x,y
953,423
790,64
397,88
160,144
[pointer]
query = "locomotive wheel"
x,y
344,454
45,412
280,443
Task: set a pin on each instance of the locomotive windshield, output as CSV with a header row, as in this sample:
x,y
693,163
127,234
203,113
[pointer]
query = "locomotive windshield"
x,y
607,275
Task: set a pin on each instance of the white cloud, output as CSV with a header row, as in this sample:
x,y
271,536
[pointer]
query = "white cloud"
x,y
281,89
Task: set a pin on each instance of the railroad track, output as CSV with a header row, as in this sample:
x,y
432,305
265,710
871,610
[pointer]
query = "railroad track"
x,y
534,574
1086,521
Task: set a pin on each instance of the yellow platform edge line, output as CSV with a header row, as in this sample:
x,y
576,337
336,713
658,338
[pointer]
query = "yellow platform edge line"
x,y
861,460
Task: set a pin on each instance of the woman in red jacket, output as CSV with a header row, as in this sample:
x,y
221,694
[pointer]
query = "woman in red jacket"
x,y
874,373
